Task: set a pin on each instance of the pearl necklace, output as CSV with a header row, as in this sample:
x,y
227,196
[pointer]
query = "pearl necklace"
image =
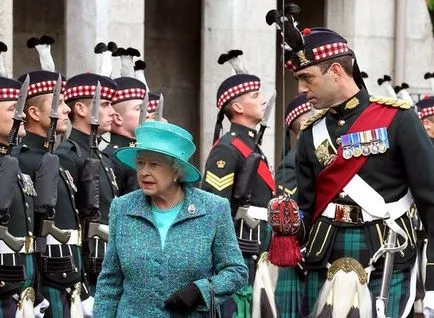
x,y
174,203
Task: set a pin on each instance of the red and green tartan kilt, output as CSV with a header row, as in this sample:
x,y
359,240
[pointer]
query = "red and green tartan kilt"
x,y
289,291
351,242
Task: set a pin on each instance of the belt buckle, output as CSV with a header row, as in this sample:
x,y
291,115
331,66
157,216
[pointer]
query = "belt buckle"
x,y
348,214
28,244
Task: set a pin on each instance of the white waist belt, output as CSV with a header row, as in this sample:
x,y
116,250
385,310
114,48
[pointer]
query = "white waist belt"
x,y
393,210
4,249
258,213
74,239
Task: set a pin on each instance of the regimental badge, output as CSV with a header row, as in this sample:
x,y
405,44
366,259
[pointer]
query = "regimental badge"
x,y
221,164
70,180
251,134
302,58
3,150
352,103
325,153
132,144
28,187
365,143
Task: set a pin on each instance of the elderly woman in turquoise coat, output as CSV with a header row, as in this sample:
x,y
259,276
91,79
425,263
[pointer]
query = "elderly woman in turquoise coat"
x,y
172,250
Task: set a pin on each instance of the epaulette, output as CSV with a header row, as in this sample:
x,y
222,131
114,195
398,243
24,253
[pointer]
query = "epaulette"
x,y
314,118
390,101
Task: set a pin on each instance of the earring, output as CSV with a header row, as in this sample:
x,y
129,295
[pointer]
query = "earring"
x,y
174,180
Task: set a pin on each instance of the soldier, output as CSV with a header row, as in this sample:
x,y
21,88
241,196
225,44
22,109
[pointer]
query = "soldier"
x,y
297,112
290,280
17,266
56,217
74,154
425,110
355,162
237,169
126,103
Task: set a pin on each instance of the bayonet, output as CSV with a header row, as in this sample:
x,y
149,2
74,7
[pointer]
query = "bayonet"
x,y
94,121
96,101
18,115
268,110
54,115
144,109
160,108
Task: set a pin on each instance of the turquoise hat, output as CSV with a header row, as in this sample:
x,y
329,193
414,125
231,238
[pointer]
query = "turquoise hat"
x,y
166,139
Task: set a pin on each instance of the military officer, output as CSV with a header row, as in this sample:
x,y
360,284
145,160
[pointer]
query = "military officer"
x,y
73,154
56,223
355,162
17,267
126,103
425,110
237,169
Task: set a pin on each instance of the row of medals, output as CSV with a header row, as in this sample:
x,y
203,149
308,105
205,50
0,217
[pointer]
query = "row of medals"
x,y
365,143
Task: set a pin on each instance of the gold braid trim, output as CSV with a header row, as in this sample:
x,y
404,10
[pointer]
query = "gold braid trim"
x,y
314,118
390,101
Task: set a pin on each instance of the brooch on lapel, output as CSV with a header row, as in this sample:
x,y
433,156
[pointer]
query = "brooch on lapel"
x,y
365,143
191,208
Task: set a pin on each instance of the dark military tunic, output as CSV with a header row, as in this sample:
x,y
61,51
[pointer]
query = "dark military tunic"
x,y
72,154
225,161
286,182
20,225
71,270
126,178
407,163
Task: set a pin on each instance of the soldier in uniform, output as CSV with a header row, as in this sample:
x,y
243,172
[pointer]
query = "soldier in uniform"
x,y
356,160
290,280
425,110
237,169
297,112
60,265
17,268
126,103
73,154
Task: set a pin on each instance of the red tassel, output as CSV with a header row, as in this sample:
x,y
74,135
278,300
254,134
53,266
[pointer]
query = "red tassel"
x,y
284,250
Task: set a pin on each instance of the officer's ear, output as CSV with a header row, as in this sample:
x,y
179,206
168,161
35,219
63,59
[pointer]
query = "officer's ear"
x,y
81,109
33,113
237,107
117,119
427,124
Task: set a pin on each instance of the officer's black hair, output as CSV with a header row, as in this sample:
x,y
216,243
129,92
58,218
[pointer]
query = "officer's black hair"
x,y
346,61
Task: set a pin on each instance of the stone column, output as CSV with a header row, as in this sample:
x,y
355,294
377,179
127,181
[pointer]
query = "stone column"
x,y
6,31
226,25
127,26
372,35
87,23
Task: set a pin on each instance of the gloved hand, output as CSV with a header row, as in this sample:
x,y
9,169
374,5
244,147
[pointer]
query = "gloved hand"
x,y
87,307
428,304
185,299
39,309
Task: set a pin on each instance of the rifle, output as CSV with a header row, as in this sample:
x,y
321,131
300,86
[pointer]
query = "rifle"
x,y
9,177
18,115
241,197
47,176
270,104
144,109
90,175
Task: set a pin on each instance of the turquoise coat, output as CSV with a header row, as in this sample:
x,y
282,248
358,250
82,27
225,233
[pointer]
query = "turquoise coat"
x,y
138,276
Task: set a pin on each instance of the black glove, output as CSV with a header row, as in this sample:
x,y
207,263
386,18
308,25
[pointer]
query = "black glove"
x,y
184,299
